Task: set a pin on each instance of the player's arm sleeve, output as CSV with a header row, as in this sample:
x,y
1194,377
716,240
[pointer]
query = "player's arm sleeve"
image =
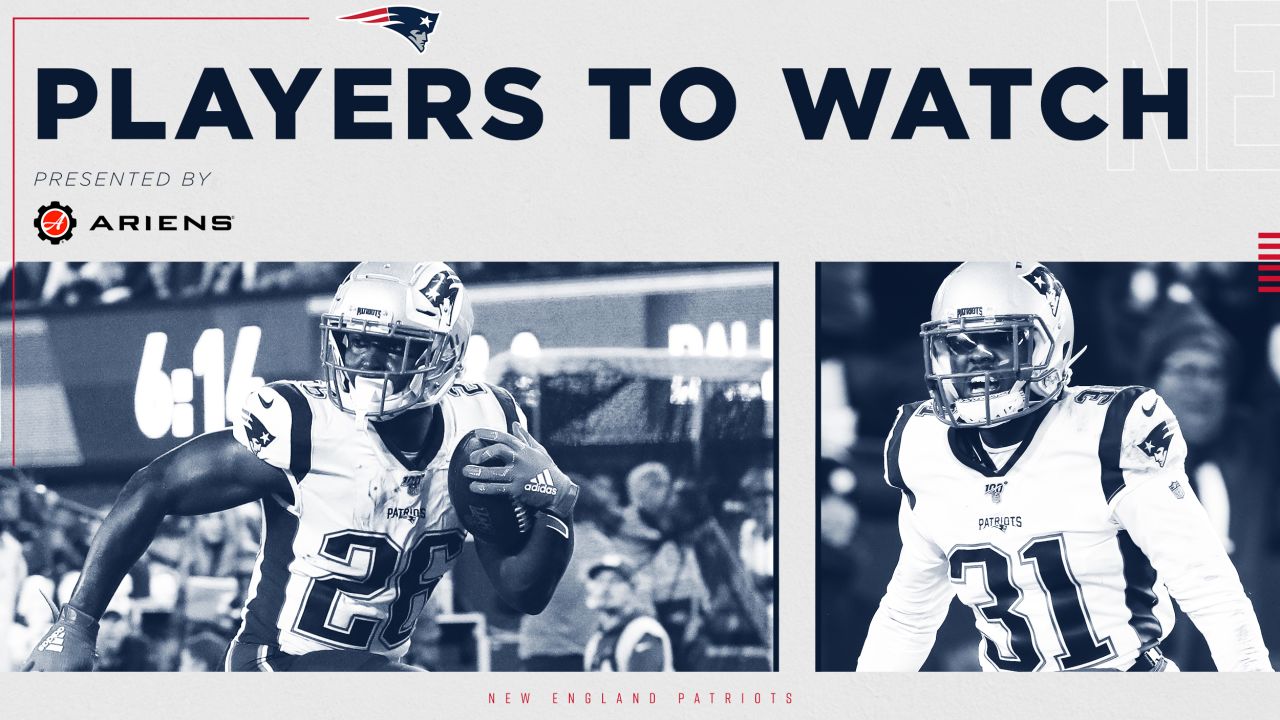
x,y
1152,500
527,580
914,605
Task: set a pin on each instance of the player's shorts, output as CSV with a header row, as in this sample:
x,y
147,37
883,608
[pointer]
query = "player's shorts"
x,y
252,657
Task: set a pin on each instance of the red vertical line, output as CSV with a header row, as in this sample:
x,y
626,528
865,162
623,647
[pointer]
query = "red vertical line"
x,y
13,244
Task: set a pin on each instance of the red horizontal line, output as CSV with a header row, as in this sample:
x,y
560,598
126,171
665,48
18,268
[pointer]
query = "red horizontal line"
x,y
1262,268
1269,246
251,17
1269,236
1269,257
1269,288
1269,278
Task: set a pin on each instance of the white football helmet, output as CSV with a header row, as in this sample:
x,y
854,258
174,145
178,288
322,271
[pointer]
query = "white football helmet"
x,y
421,312
998,344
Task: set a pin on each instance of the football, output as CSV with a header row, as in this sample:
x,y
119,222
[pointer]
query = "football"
x,y
496,519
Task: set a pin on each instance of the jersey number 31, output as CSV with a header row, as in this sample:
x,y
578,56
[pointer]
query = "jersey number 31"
x,y
1047,555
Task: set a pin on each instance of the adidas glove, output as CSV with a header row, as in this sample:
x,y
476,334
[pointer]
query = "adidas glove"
x,y
68,646
528,474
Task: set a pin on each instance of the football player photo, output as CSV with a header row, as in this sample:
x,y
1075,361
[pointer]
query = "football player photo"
x,y
423,499
1076,522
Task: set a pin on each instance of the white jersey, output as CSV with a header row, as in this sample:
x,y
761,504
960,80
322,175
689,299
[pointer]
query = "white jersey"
x,y
349,561
1067,551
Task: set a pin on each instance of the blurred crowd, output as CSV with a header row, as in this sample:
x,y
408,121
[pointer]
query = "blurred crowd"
x,y
651,585
74,284
1199,333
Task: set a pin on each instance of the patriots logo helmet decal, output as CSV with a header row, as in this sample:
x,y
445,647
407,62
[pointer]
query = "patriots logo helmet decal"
x,y
1156,444
414,24
441,293
1047,285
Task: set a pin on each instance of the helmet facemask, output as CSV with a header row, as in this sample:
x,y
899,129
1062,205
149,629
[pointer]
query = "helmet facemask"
x,y
425,366
986,370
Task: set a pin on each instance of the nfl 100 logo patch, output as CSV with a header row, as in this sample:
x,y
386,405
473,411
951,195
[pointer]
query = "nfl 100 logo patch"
x,y
412,484
996,491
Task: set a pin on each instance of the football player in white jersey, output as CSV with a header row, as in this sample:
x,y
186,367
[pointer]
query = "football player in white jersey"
x,y
1061,515
351,473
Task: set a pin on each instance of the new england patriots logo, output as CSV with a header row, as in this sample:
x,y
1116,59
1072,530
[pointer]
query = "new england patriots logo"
x,y
1156,444
1047,285
414,24
441,292
259,436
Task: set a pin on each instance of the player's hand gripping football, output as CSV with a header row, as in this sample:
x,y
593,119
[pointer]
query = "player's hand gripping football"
x,y
68,646
527,473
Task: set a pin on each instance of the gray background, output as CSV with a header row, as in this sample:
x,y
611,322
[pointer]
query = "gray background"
x,y
758,192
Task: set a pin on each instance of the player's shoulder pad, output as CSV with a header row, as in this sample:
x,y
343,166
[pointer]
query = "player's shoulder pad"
x,y
1151,437
275,423
492,405
1140,437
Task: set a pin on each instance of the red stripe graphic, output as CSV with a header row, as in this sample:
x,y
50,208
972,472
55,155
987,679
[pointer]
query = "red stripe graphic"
x,y
367,14
1266,252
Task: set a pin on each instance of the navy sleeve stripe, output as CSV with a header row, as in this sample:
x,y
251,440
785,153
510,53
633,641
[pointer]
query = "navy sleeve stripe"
x,y
300,435
1112,438
892,468
1139,592
262,611
508,405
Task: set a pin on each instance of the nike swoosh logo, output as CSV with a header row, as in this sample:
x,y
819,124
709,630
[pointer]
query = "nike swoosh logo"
x,y
1151,410
268,403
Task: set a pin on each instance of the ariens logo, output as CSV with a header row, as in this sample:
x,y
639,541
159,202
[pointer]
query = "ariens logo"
x,y
168,223
54,223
